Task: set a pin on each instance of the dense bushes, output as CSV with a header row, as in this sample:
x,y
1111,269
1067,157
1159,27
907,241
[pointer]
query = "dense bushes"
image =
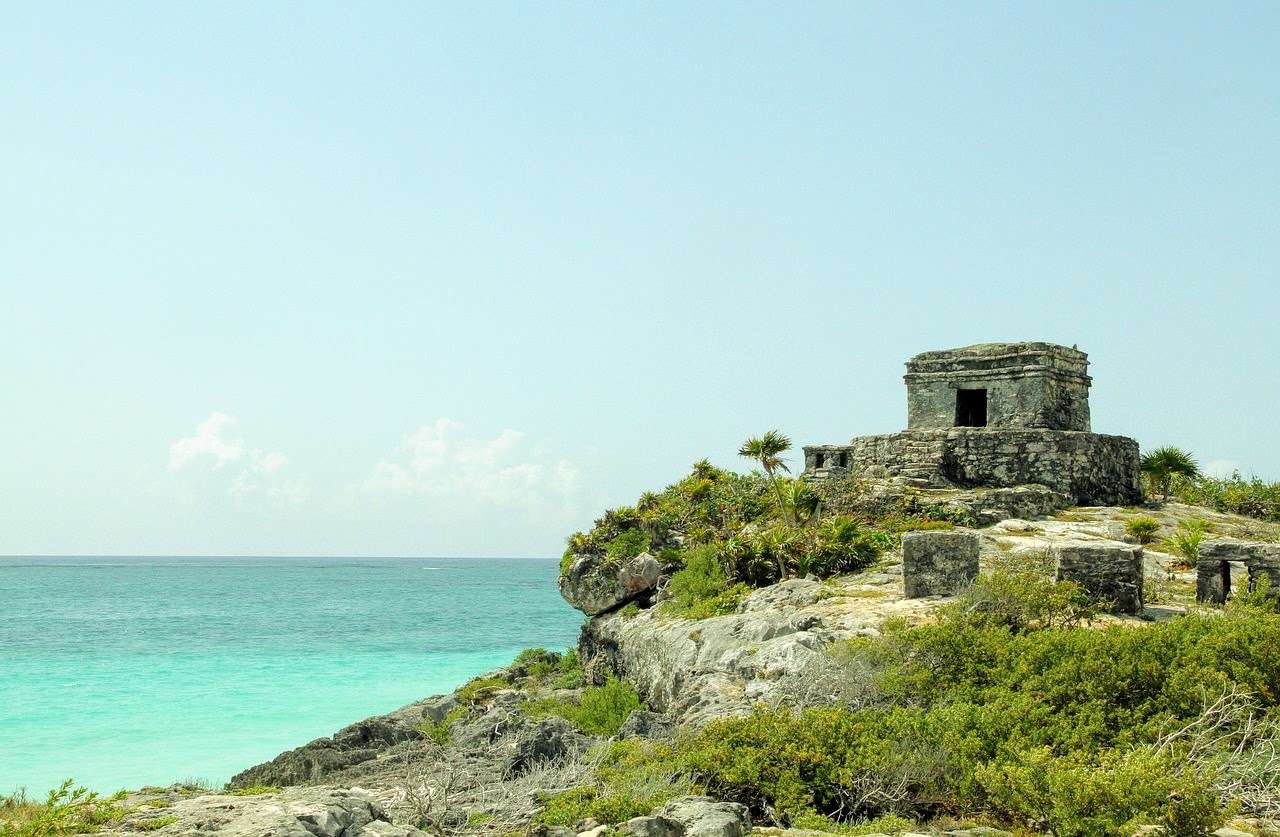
x,y
633,777
701,588
1252,497
600,711
722,533
66,810
1052,728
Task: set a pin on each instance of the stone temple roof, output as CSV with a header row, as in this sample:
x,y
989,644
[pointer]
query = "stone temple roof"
x,y
1001,356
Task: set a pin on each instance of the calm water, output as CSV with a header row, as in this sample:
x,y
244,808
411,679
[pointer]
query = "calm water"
x,y
129,671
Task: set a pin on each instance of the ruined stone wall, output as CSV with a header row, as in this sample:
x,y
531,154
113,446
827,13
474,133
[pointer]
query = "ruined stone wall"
x,y
1032,385
1090,468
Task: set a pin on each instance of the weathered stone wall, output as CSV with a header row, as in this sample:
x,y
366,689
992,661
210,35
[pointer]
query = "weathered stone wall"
x,y
1111,572
1029,385
938,563
1091,468
1213,572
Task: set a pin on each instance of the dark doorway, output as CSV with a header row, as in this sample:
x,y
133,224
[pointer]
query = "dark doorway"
x,y
971,408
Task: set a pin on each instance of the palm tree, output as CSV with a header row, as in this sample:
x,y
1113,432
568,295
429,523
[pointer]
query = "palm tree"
x,y
1162,465
768,450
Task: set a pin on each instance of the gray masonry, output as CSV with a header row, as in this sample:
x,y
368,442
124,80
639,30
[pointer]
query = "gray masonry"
x,y
1110,572
1002,385
1213,567
995,415
938,563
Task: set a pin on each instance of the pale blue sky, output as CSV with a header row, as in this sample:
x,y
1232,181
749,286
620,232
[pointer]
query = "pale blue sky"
x,y
447,280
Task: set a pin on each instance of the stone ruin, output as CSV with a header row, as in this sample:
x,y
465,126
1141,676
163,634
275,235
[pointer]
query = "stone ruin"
x,y
945,563
938,563
1216,559
1111,573
995,415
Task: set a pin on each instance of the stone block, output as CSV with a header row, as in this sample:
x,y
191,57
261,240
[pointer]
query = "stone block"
x,y
1110,572
938,563
1213,567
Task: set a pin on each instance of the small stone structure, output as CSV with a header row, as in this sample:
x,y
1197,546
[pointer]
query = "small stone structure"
x,y
1111,572
1213,567
996,415
938,563
1022,385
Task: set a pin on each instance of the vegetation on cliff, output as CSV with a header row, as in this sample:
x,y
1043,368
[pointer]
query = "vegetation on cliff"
x,y
722,533
1009,707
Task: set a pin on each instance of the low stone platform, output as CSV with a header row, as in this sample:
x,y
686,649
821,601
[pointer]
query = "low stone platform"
x,y
1092,469
1111,572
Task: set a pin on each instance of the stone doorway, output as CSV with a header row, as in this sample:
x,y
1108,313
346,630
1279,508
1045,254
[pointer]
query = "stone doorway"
x,y
971,408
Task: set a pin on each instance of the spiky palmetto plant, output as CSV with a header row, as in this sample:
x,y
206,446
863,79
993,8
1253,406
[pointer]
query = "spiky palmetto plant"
x,y
1163,465
767,450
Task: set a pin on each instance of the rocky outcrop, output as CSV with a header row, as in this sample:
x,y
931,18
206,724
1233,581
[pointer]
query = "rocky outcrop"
x,y
594,585
349,746
544,741
296,812
694,671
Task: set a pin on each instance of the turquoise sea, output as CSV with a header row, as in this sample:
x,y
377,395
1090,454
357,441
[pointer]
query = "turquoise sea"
x,y
121,672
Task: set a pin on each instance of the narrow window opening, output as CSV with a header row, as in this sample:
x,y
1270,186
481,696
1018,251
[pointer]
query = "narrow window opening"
x,y
844,459
971,408
817,460
1225,571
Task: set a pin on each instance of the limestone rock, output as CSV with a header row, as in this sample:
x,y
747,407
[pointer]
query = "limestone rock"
x,y
436,709
645,724
594,585
548,739
651,826
701,816
350,745
296,812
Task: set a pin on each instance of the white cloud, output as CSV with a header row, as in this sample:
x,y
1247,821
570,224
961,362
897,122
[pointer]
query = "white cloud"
x,y
441,462
214,442
209,441
1221,468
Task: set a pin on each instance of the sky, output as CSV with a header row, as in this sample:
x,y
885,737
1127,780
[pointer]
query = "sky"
x,y
450,279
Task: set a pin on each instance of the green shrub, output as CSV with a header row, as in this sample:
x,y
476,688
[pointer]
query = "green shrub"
x,y
1020,593
964,703
634,777
65,810
538,666
884,824
701,588
1252,497
154,824
843,545
601,710
1185,542
441,731
629,544
826,761
568,673
1077,796
254,790
481,690
1143,528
